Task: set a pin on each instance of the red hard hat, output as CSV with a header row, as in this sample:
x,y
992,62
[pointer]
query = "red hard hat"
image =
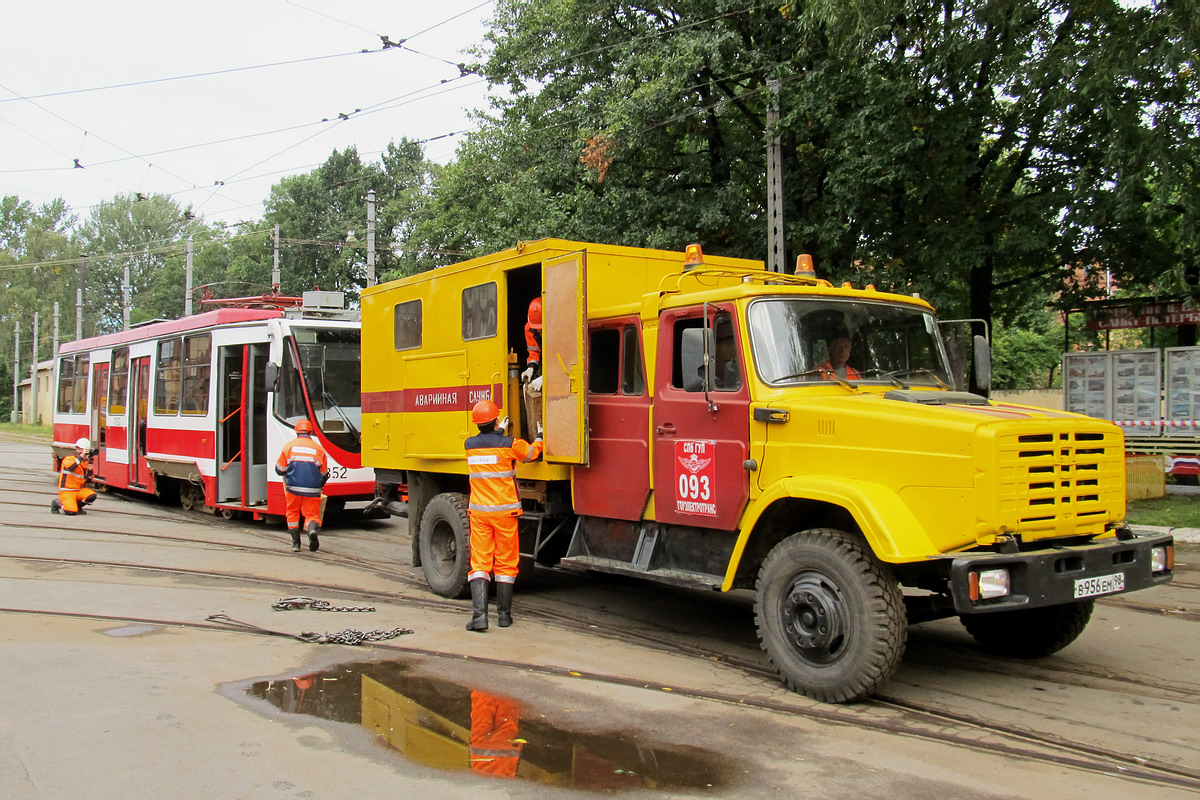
x,y
485,411
304,426
535,313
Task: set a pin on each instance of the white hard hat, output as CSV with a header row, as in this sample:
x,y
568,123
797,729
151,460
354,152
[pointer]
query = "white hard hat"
x,y
83,444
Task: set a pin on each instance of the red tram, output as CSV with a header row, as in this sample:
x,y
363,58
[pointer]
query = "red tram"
x,y
199,408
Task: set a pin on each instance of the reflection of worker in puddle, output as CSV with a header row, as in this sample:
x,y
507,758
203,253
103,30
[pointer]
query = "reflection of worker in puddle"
x,y
302,685
495,748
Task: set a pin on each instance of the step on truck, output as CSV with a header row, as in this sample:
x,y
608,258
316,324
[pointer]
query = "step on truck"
x,y
709,423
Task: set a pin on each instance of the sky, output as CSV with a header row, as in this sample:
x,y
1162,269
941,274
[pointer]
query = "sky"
x,y
218,142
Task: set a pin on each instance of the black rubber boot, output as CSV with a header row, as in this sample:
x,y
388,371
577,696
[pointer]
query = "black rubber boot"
x,y
504,604
296,540
314,544
479,599
55,506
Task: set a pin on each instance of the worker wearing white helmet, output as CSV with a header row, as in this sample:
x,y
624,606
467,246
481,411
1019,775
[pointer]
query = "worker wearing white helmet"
x,y
73,474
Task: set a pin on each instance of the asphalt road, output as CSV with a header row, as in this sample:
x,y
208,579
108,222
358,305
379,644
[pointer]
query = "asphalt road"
x,y
118,684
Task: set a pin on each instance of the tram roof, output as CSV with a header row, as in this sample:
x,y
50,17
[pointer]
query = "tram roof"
x,y
157,330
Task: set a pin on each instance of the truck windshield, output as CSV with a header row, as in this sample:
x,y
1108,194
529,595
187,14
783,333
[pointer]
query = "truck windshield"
x,y
329,367
797,340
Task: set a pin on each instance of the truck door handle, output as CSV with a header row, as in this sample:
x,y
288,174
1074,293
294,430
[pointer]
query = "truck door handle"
x,y
666,429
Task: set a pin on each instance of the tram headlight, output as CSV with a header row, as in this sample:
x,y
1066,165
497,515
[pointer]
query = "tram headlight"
x,y
986,584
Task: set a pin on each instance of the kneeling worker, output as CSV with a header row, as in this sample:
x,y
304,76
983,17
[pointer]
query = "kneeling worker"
x,y
305,470
494,507
73,474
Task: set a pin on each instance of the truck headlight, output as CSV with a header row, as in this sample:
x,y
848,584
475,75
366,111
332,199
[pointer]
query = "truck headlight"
x,y
1162,559
988,583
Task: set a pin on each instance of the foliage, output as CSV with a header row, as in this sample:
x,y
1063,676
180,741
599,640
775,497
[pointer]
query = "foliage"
x,y
974,151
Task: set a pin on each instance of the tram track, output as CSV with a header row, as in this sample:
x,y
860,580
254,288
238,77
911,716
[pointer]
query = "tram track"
x,y
915,720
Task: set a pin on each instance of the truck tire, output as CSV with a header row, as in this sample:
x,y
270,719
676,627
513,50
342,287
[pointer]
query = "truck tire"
x,y
1029,633
830,616
444,541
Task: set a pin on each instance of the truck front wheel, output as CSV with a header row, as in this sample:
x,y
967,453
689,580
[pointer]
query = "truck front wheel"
x,y
830,616
1029,633
444,538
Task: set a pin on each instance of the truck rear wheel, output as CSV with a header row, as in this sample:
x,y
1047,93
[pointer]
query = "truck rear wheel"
x,y
1029,633
444,541
830,616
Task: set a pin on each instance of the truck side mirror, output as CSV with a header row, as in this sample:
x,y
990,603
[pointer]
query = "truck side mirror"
x,y
983,363
272,376
696,374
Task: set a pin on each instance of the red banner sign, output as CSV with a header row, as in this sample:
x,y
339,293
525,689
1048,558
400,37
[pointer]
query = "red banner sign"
x,y
696,477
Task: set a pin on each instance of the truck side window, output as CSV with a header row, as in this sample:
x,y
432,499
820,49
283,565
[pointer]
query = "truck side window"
x,y
725,370
407,334
604,361
633,379
479,311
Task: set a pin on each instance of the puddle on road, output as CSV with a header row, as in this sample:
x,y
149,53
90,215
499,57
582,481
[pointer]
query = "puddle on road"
x,y
132,630
446,725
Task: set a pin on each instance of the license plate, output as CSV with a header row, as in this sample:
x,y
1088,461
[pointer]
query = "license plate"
x,y
1104,584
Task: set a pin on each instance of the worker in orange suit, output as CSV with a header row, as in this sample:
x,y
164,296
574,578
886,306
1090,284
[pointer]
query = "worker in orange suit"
x,y
494,508
305,469
73,474
531,377
495,748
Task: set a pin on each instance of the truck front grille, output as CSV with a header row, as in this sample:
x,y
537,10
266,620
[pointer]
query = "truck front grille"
x,y
1056,482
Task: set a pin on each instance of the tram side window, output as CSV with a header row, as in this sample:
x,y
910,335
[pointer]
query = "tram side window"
x,y
72,384
197,365
479,311
118,381
408,325
166,383
289,397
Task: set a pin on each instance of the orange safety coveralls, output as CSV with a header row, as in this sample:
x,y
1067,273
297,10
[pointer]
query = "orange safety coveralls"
x,y
827,369
72,476
494,746
495,504
305,468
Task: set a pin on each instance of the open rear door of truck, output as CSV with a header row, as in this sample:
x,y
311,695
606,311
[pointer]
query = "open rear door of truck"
x,y
564,358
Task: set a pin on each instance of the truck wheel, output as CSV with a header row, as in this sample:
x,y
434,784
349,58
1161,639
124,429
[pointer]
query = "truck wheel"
x,y
445,552
1029,633
830,616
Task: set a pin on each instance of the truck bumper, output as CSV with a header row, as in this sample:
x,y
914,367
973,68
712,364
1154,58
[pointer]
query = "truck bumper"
x,y
1061,574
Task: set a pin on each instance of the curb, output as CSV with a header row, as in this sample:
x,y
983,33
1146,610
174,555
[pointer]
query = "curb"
x,y
1189,535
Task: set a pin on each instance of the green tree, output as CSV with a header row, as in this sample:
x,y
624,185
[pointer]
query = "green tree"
x,y
976,151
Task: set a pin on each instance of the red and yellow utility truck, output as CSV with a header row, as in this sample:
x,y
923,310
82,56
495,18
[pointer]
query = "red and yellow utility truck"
x,y
714,424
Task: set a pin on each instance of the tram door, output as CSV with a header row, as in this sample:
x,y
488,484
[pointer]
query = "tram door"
x,y
230,423
99,423
257,460
139,394
242,458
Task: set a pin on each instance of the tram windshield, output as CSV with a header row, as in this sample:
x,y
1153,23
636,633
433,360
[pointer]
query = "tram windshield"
x,y
803,340
329,368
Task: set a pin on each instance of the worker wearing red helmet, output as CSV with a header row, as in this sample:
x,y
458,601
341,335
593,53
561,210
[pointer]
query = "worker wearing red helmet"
x,y
73,473
305,470
531,378
494,507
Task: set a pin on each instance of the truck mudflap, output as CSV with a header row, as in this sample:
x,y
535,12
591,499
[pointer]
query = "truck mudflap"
x,y
1058,575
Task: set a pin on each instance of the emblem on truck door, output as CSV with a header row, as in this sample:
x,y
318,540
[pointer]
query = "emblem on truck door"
x,y
695,477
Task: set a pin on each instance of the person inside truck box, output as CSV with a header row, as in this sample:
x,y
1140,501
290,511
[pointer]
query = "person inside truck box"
x,y
839,346
531,377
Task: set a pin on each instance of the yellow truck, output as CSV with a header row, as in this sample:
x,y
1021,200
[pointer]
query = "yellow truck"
x,y
713,424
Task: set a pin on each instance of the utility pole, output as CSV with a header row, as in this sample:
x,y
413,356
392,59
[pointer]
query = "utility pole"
x,y
275,271
371,237
16,409
79,298
187,289
776,240
54,358
125,296
33,375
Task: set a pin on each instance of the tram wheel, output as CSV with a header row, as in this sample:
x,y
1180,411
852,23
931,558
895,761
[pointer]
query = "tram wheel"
x,y
188,495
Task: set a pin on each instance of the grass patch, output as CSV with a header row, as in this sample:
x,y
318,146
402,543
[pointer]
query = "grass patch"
x,y
1172,511
39,432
